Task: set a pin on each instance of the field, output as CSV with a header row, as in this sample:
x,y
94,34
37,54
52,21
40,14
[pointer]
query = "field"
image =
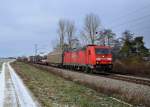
x,y
53,91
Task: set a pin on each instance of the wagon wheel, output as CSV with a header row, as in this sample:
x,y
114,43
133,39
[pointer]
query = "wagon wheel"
x,y
87,69
91,71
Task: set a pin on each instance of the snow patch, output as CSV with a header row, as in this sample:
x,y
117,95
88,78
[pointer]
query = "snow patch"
x,y
25,99
2,85
121,101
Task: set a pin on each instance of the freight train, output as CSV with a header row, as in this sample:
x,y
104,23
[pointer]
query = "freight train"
x,y
90,58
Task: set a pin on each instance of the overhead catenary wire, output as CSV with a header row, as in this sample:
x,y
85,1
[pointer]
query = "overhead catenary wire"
x,y
144,28
133,25
128,14
133,22
130,21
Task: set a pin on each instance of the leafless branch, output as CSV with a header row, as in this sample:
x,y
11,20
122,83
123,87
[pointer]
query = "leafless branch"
x,y
91,25
61,32
70,30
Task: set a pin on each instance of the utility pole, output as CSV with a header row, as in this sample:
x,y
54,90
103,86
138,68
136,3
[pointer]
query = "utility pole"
x,y
35,49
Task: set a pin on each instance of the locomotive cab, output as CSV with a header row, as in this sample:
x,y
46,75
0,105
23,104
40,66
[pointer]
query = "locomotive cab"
x,y
99,58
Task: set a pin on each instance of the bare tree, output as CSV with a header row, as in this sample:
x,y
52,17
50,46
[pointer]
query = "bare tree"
x,y
101,38
70,30
61,32
106,37
127,35
84,40
110,36
91,25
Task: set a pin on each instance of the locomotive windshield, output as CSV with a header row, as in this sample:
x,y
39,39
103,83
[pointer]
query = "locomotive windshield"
x,y
102,51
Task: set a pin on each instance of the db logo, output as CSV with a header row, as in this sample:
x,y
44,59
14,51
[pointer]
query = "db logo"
x,y
74,56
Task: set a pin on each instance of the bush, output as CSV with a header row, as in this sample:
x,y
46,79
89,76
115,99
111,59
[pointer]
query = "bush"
x,y
132,65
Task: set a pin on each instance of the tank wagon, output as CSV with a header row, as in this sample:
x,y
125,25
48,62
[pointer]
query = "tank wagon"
x,y
89,58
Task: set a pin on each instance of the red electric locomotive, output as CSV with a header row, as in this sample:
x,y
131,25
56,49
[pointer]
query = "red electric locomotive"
x,y
90,58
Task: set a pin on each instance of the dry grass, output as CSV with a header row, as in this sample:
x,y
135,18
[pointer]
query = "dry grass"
x,y
50,89
133,97
136,98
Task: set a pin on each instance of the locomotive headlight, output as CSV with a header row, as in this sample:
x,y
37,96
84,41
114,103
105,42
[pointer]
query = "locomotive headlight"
x,y
109,59
98,59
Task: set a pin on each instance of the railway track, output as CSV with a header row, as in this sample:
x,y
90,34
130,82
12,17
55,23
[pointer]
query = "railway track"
x,y
132,79
136,80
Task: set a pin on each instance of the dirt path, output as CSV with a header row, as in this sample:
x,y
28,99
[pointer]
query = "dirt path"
x,y
13,91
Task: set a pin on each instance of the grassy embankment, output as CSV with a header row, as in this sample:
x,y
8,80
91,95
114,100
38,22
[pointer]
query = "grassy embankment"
x,y
52,90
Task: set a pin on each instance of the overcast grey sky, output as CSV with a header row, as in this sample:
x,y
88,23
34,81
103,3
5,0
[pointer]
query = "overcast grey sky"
x,y
24,23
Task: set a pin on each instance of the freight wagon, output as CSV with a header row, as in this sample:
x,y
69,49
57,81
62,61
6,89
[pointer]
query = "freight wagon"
x,y
55,58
